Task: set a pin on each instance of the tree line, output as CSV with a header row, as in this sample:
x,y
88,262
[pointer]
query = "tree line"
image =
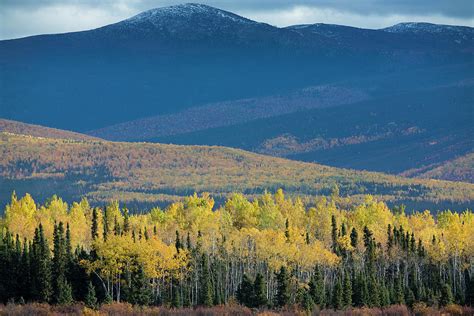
x,y
270,252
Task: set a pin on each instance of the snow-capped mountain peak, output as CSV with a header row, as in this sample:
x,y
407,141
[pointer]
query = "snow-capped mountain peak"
x,y
186,11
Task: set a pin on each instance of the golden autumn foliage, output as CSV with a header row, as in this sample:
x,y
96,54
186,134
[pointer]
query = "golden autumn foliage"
x,y
149,173
240,225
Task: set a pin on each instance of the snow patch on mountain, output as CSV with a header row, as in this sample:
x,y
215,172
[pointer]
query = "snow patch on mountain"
x,y
423,27
185,11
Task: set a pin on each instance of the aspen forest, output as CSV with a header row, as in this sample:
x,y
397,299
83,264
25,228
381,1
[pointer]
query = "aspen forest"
x,y
271,252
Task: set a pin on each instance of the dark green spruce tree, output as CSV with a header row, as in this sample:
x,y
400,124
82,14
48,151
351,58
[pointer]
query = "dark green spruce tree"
x,y
260,291
282,297
245,292
205,294
41,268
140,291
90,299
316,288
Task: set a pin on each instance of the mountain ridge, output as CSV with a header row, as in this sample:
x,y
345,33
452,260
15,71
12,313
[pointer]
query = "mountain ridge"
x,y
102,78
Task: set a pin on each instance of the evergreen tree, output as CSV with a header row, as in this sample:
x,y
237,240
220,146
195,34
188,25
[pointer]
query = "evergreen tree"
x,y
64,291
469,288
354,238
307,303
59,263
25,277
41,267
117,231
389,237
6,264
260,291
126,221
338,296
205,294
343,229
245,292
347,290
68,245
189,246
361,291
384,296
334,234
90,299
398,291
446,295
140,291
374,294
95,224
282,296
410,297
316,288
177,242
105,225
287,230
176,297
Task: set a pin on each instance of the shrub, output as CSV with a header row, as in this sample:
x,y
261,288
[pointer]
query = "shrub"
x,y
117,309
422,309
452,310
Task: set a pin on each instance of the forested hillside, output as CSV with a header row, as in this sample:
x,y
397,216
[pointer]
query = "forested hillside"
x,y
270,252
391,132
144,173
458,169
21,128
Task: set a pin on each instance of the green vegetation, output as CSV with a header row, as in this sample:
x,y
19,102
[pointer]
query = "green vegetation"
x,y
271,252
137,173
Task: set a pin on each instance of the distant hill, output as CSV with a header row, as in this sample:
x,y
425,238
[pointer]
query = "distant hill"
x,y
458,169
144,173
20,128
230,113
384,133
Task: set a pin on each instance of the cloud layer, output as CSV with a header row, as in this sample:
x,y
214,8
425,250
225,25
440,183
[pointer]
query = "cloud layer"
x,y
20,18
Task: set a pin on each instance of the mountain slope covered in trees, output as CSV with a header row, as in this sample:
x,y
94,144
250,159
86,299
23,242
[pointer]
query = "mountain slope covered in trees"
x,y
171,74
147,173
458,169
21,128
389,134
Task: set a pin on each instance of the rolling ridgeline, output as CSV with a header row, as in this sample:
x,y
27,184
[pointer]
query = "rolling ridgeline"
x,y
393,100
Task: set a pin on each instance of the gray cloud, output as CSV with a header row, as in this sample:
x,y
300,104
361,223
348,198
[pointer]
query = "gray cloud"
x,y
28,17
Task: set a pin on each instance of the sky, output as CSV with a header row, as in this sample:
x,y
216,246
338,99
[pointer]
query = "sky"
x,y
19,18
